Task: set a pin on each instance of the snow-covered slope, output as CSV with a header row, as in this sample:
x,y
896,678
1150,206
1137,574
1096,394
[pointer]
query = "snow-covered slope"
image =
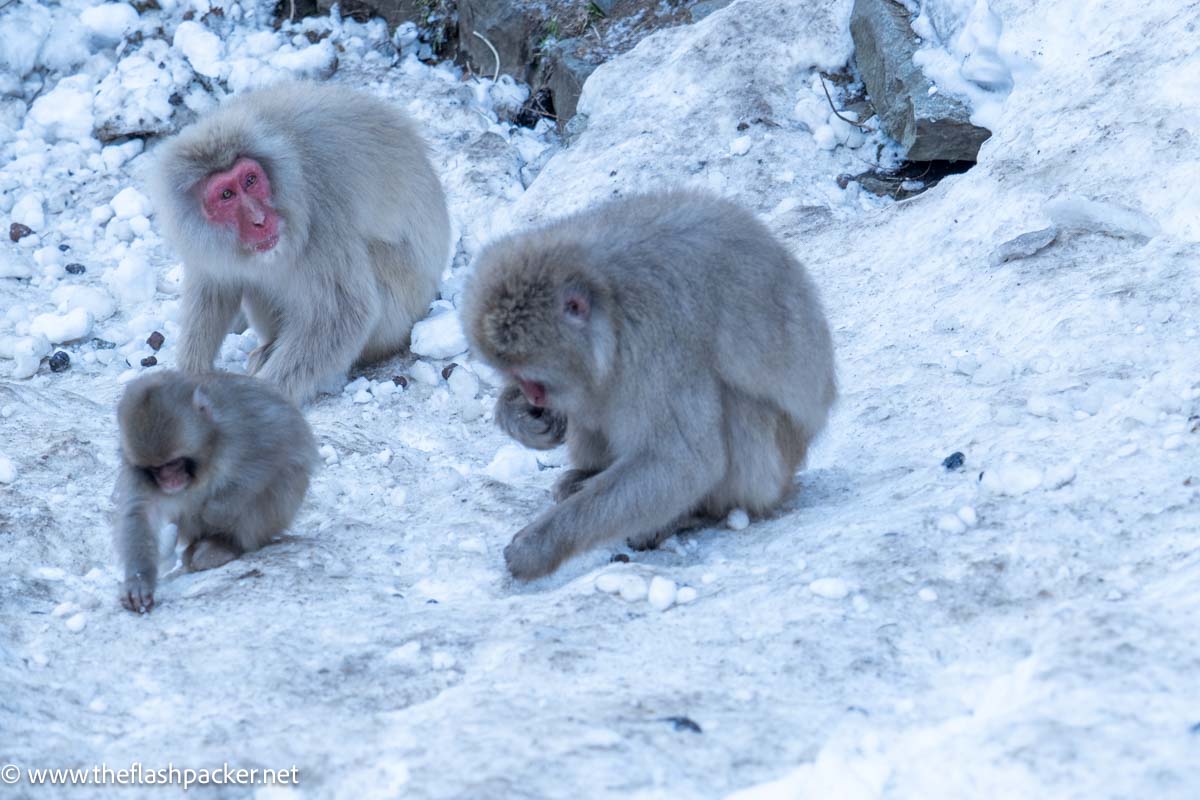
x,y
1023,626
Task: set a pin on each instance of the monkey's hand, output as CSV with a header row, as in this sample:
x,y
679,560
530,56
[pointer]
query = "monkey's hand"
x,y
534,427
535,551
137,594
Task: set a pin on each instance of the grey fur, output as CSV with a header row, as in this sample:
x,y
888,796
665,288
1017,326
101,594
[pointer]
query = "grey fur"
x,y
252,454
693,384
365,232
538,428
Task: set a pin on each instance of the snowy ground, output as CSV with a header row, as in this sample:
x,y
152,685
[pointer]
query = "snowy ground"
x,y
898,630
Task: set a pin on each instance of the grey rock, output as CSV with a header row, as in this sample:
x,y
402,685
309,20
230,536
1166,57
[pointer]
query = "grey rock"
x,y
1023,246
393,11
564,74
929,127
513,29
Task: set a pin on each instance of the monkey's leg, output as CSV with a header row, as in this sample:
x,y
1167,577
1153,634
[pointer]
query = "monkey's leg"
x,y
326,334
136,544
534,427
764,450
209,552
208,312
638,495
652,540
263,317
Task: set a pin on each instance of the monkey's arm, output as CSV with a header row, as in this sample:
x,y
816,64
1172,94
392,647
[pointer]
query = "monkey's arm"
x,y
136,543
325,335
534,427
208,313
639,495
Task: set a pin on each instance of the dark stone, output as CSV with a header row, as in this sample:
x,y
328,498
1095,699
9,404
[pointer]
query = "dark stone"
x,y
619,558
155,340
75,268
448,370
17,231
540,105
400,381
60,362
62,248
568,66
684,724
928,127
103,344
954,460
391,11
149,361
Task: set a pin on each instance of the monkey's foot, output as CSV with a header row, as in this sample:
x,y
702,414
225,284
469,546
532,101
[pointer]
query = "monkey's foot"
x,y
571,482
651,541
532,553
205,554
137,594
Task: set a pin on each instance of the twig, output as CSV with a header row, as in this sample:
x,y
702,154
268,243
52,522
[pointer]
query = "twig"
x,y
495,55
858,125
292,13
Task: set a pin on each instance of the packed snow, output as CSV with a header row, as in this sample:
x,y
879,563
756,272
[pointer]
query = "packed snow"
x,y
1019,621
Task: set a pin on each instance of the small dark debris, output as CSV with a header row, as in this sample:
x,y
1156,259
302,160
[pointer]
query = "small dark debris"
x,y
155,340
176,99
619,558
254,573
684,724
743,125
448,370
149,361
1195,728
75,268
431,602
190,14
400,381
17,231
954,460
62,248
60,362
980,476
312,36
612,174
103,344
908,180
539,105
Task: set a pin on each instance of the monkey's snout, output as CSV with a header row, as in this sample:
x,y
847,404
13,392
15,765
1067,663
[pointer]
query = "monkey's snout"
x,y
174,476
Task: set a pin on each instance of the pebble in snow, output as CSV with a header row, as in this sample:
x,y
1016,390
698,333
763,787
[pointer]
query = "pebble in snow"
x,y
60,362
954,460
737,520
662,593
829,588
76,623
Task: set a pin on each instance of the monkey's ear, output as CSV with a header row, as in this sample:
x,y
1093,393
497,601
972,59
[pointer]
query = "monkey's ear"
x,y
576,305
202,403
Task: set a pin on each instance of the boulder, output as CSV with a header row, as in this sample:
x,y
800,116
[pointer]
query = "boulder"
x,y
930,127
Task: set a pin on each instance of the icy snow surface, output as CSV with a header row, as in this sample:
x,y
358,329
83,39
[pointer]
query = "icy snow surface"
x,y
1025,626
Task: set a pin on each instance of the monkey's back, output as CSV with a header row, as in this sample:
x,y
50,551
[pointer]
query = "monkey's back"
x,y
705,273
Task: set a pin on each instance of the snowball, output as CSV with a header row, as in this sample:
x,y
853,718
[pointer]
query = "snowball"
x,y
10,267
315,61
739,146
66,111
201,47
928,595
27,355
633,588
115,155
463,384
662,592
110,22
102,214
129,203
327,452
76,623
439,336
826,138
951,523
59,328
405,653
8,470
829,588
737,520
362,396
511,463
384,388
1012,479
30,211
133,281
424,372
609,582
685,595
968,516
1172,442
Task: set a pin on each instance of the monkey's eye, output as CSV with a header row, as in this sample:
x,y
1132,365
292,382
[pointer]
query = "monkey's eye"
x,y
251,179
228,193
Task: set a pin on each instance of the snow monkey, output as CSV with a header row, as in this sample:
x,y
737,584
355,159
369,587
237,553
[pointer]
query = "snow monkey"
x,y
316,209
676,346
225,457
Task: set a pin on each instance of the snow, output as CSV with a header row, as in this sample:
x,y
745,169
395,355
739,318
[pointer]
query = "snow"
x,y
109,22
896,629
68,327
662,593
30,211
439,336
129,203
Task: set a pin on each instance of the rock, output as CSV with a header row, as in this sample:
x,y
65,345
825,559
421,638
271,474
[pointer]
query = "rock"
x,y
953,461
76,268
17,231
684,724
1023,246
149,361
513,29
60,362
155,340
567,67
929,127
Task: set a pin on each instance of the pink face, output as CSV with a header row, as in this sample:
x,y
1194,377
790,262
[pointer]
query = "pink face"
x,y
240,198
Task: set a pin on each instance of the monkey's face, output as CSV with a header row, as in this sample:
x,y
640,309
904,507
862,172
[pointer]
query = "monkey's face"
x,y
167,432
239,199
174,476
